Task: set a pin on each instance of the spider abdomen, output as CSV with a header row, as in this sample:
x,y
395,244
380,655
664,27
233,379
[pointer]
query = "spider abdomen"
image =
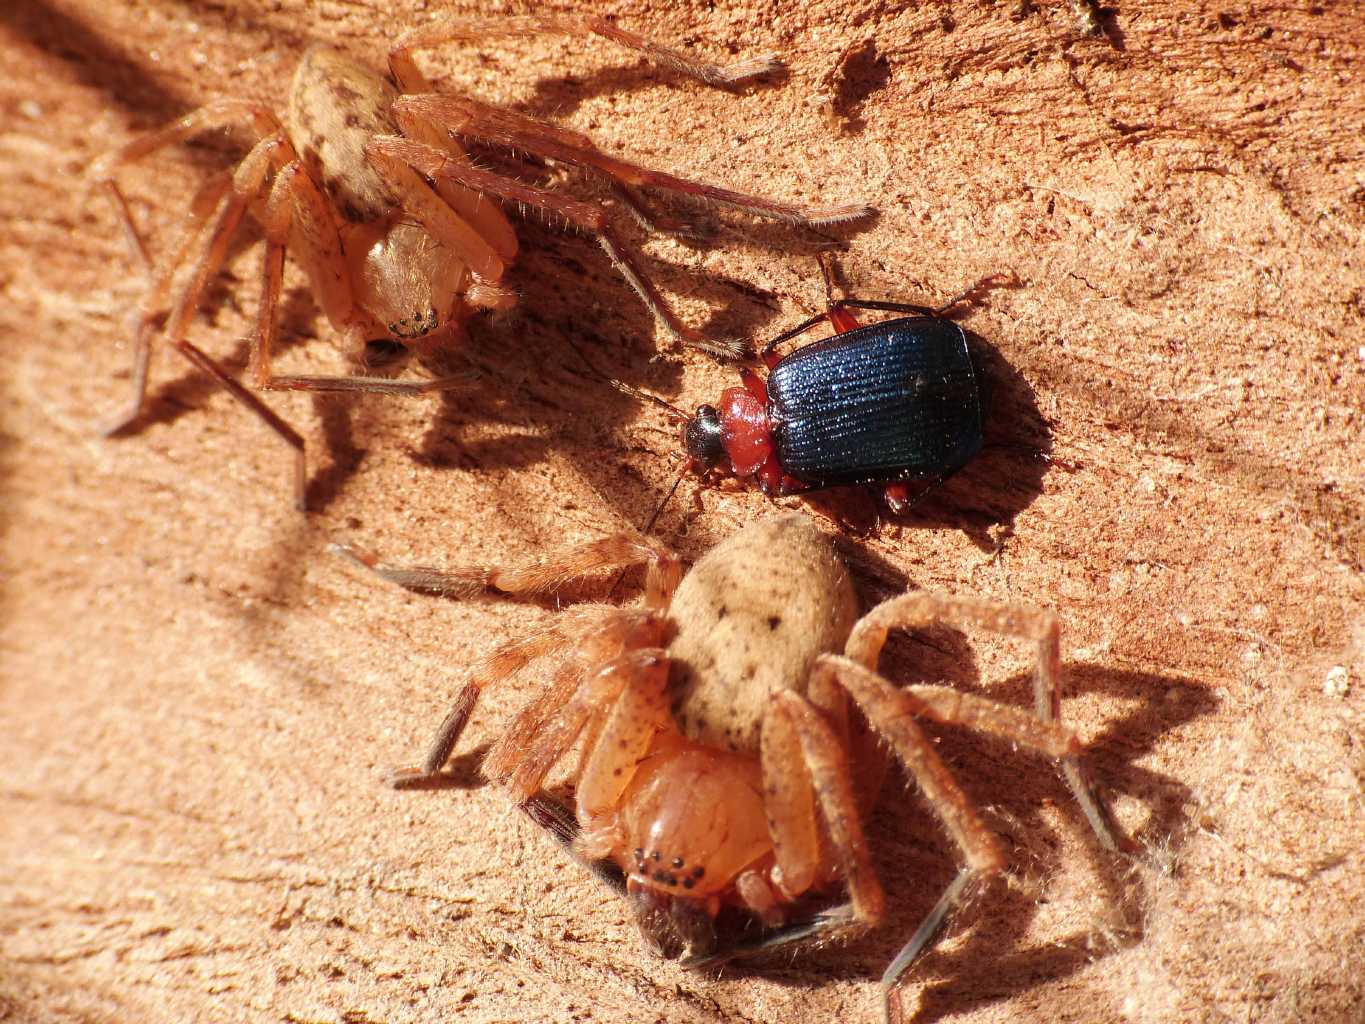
x,y
745,631
336,105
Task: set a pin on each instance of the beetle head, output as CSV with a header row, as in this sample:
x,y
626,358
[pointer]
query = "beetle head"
x,y
702,437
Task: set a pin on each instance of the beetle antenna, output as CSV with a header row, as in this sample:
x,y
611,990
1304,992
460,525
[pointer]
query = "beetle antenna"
x,y
667,497
645,396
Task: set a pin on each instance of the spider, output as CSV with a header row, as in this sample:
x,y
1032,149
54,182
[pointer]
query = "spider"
x,y
365,183
721,766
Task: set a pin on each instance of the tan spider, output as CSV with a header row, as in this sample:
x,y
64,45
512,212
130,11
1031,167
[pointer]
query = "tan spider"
x,y
366,185
720,764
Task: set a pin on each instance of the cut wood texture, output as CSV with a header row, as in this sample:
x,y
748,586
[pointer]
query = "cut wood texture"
x,y
200,703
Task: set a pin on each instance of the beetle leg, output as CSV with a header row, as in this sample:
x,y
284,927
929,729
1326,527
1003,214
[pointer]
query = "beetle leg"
x,y
805,325
939,311
922,609
460,29
897,497
770,477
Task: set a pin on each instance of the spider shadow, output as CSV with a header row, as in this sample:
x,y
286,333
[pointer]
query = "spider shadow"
x,y
461,771
89,58
990,964
561,95
549,363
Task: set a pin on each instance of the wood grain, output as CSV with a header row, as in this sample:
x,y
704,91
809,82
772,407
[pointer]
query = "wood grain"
x,y
199,703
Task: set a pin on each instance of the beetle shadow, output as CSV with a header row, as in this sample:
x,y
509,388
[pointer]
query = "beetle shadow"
x,y
1007,475
992,963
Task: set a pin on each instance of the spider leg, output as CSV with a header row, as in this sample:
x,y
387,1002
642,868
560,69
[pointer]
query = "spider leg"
x,y
213,240
892,714
442,167
817,930
460,29
506,661
652,221
804,764
486,218
438,217
823,760
623,689
636,715
563,827
223,113
543,576
789,803
157,296
598,633
921,609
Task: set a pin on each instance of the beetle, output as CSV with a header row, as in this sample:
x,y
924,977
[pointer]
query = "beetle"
x,y
723,767
883,405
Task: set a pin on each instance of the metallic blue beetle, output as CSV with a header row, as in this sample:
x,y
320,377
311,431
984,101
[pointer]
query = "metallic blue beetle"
x,y
884,405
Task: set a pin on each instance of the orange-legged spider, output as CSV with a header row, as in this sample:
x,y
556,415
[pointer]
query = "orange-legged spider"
x,y
367,186
721,765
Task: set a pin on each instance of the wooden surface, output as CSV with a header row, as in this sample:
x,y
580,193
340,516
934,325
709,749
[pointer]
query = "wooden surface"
x,y
199,703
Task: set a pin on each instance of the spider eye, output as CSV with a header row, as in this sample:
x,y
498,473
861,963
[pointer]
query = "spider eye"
x,y
383,351
702,437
